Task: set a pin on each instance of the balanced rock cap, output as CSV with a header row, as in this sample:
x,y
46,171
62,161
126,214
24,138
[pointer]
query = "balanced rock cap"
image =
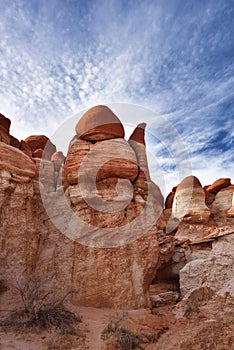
x,y
138,134
99,123
218,185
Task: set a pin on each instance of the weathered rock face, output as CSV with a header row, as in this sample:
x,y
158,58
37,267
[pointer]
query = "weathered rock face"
x,y
230,212
99,123
116,277
112,158
215,272
223,201
39,145
24,147
16,162
14,142
4,129
170,199
189,202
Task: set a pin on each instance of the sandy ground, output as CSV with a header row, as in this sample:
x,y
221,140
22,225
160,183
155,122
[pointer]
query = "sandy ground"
x,y
93,322
207,329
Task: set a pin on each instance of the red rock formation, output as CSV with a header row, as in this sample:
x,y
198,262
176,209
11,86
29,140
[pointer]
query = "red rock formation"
x,y
140,150
189,202
170,198
111,158
5,123
24,147
138,134
4,129
37,142
38,153
218,185
99,123
118,275
222,202
14,142
16,162
114,167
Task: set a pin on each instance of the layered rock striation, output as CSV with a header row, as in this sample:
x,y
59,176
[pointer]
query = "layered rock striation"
x,y
97,223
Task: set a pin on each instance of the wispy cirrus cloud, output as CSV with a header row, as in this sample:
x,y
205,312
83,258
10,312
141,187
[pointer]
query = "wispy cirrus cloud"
x,y
174,58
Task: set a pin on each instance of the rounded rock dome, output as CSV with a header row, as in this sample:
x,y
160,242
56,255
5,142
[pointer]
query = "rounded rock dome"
x,y
99,123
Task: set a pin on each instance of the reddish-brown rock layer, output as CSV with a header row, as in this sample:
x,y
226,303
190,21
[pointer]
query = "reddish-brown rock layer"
x,y
5,123
14,142
170,198
189,202
41,142
99,123
218,185
109,158
15,161
138,134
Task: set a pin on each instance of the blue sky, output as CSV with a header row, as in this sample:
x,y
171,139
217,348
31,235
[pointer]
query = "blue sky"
x,y
174,58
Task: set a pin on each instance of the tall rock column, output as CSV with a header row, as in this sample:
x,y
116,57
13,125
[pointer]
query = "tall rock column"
x,y
117,259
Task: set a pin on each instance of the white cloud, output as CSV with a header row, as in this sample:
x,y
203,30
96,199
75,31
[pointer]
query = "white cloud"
x,y
145,55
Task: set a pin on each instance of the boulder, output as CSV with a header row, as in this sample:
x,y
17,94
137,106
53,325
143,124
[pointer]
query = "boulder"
x,y
218,185
37,142
189,202
223,201
215,272
99,123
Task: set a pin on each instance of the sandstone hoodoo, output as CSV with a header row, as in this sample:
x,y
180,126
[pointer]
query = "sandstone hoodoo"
x,y
189,202
115,167
99,123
